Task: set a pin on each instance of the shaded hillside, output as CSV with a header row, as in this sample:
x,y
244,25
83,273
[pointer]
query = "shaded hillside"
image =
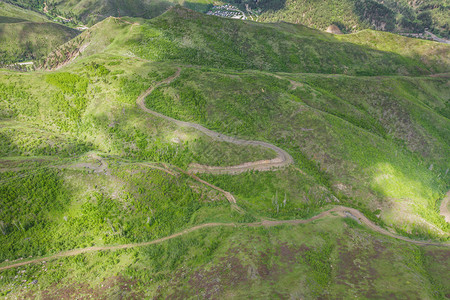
x,y
350,16
27,35
30,41
431,14
9,12
90,12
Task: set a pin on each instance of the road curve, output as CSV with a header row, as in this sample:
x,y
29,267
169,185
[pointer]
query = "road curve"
x,y
437,39
340,210
283,158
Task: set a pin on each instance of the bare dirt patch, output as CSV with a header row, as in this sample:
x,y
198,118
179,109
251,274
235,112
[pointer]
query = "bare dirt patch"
x,y
113,287
231,271
444,207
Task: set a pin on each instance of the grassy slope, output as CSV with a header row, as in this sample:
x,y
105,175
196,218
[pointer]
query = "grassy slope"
x,y
355,151
69,113
388,42
73,207
331,258
189,37
376,151
26,35
11,11
205,40
31,41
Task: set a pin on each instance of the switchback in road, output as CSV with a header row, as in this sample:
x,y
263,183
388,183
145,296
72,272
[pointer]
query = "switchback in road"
x,y
283,158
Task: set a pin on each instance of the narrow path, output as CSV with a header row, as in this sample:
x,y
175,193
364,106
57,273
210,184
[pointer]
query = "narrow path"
x,y
437,39
227,195
170,171
283,158
444,207
340,210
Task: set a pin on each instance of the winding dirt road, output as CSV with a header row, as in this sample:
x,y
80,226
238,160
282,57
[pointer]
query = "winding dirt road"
x,y
340,210
283,158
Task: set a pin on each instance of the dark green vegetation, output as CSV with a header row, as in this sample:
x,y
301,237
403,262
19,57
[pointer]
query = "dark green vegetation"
x,y
431,14
49,210
365,118
353,15
11,13
26,35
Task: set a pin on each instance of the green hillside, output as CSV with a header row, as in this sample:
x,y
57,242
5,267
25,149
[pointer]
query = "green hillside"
x,y
99,148
27,35
350,16
189,37
30,41
94,11
91,12
11,13
432,14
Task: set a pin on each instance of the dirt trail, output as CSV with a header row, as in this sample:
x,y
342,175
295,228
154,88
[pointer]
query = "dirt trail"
x,y
355,214
437,39
283,158
340,210
444,207
294,84
227,195
168,170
